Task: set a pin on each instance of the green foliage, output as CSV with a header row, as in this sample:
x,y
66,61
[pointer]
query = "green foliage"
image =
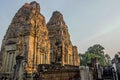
x,y
108,59
102,60
96,51
86,58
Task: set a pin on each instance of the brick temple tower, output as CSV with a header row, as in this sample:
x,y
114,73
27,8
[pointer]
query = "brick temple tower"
x,y
61,50
26,43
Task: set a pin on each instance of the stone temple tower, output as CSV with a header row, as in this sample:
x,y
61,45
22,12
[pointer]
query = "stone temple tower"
x,y
61,48
26,43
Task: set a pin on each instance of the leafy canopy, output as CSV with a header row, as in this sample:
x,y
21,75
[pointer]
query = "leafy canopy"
x,y
95,51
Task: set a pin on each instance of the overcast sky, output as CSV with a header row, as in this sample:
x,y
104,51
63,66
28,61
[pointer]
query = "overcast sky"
x,y
89,21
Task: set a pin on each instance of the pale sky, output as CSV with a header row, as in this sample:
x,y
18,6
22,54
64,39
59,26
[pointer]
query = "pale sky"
x,y
89,21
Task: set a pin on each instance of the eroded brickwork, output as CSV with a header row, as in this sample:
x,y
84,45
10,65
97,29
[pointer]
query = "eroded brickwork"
x,y
26,41
61,46
29,42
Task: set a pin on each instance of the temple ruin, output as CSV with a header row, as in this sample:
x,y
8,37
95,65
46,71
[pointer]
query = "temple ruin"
x,y
62,51
29,42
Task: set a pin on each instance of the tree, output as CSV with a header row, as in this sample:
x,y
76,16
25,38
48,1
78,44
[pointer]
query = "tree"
x,y
116,56
108,59
118,53
96,49
86,58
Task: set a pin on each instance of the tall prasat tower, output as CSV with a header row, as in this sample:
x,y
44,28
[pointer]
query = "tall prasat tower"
x,y
61,50
26,43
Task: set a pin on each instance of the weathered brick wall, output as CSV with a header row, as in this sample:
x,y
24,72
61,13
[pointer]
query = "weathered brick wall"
x,y
69,74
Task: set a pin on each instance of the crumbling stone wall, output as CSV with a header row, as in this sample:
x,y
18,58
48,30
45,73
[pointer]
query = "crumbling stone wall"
x,y
76,58
61,45
27,37
28,42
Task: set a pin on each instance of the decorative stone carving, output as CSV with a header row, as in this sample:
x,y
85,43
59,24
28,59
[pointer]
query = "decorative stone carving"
x,y
61,45
10,47
29,34
28,42
76,58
